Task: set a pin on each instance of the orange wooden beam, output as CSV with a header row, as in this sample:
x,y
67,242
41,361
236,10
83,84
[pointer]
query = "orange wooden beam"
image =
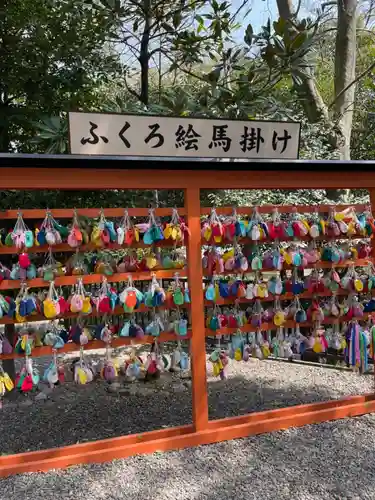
x,y
38,352
90,247
88,279
167,337
283,209
44,351
67,213
331,320
117,311
318,265
59,178
184,437
285,296
249,241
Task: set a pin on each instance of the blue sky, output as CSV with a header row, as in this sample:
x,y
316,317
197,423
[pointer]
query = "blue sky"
x,y
261,11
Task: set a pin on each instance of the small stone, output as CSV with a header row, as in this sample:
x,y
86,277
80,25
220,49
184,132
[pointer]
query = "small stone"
x,y
42,396
179,388
133,389
145,391
112,389
175,370
163,379
140,390
47,390
129,380
63,396
26,402
124,391
9,406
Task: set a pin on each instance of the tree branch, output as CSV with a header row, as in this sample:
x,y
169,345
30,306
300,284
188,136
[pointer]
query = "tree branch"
x,y
155,51
184,70
296,12
244,2
328,4
131,91
185,9
130,32
359,77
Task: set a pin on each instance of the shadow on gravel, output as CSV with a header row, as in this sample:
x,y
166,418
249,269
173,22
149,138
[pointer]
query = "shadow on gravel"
x,y
332,461
238,396
87,413
306,463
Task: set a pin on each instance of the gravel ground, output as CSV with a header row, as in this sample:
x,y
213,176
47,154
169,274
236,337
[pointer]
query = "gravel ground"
x,y
334,460
84,413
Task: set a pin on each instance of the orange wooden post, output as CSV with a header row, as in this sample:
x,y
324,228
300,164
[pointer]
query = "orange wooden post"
x,y
372,203
198,346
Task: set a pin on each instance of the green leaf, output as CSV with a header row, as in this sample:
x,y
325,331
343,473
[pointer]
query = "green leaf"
x,y
167,27
177,18
173,66
297,80
298,41
268,26
250,76
279,26
213,76
215,6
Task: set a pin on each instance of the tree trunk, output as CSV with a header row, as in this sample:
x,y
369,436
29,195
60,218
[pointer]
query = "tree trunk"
x,y
285,8
144,55
312,101
345,65
4,128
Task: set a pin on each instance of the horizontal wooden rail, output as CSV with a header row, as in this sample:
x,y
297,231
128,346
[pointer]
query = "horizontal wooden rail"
x,y
115,178
118,310
89,279
331,320
318,265
308,238
284,209
285,296
89,247
67,213
100,445
38,352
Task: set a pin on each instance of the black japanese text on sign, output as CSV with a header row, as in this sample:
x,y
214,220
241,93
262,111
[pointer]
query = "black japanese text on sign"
x,y
107,134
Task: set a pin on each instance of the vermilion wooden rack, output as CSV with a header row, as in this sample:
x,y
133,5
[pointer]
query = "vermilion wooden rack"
x,y
71,173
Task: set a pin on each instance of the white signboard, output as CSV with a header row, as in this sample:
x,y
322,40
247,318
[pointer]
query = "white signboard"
x,y
142,135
